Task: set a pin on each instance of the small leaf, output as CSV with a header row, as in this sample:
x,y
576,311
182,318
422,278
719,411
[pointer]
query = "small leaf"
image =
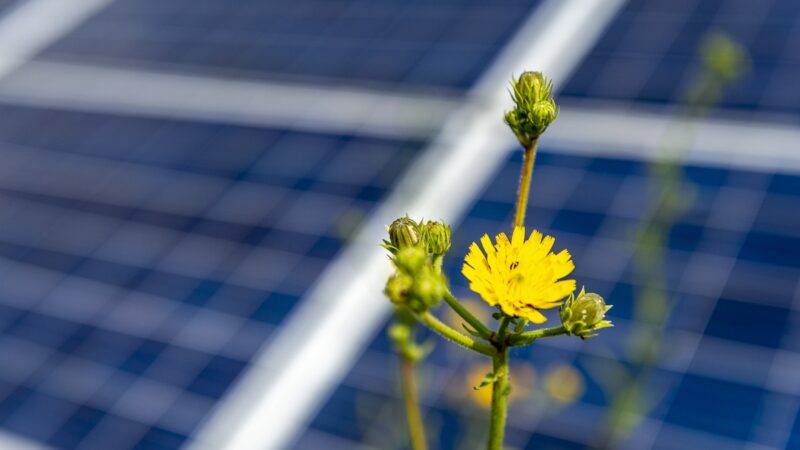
x,y
487,380
470,330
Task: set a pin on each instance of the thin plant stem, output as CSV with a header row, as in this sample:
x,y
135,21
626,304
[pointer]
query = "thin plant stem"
x,y
408,379
500,391
479,326
454,336
528,159
501,330
530,336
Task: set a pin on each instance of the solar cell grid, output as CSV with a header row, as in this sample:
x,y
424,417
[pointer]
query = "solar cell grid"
x,y
441,45
710,400
649,53
149,271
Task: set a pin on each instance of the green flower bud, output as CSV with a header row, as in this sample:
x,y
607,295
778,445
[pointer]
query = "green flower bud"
x,y
398,287
723,57
534,109
436,236
411,259
429,287
404,232
399,333
585,314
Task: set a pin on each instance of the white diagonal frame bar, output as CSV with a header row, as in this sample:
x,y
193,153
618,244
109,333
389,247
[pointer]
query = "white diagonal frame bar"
x,y
325,334
24,32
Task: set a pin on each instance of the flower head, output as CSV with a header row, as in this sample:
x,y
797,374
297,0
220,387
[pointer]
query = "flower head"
x,y
520,276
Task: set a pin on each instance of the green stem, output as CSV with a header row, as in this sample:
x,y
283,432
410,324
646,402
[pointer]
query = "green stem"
x,y
500,391
453,302
524,184
530,336
454,336
501,330
437,262
408,379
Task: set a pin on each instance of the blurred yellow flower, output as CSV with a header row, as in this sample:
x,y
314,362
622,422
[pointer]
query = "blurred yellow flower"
x,y
563,383
521,276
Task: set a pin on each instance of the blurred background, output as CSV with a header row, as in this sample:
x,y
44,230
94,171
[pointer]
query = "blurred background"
x,y
192,193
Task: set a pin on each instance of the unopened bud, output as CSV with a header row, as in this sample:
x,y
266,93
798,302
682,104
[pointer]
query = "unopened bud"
x,y
585,314
404,232
429,287
436,236
398,287
534,108
410,259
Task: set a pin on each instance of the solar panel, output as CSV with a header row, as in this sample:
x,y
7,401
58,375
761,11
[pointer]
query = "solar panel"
x,y
732,348
441,45
145,261
649,53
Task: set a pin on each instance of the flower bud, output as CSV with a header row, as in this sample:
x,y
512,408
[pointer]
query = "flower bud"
x,y
723,57
534,109
585,314
436,236
411,259
429,287
404,232
398,287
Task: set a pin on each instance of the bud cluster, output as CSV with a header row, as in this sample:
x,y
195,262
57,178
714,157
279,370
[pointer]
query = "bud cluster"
x,y
534,108
417,282
585,314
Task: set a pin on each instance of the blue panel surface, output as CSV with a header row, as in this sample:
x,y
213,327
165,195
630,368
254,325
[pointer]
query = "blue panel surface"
x,y
649,53
143,262
417,43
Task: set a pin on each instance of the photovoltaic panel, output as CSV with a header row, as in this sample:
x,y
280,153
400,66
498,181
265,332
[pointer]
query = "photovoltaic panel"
x,y
649,53
145,261
417,43
726,379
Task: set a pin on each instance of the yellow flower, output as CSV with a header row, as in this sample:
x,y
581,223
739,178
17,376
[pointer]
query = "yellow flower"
x,y
520,276
564,383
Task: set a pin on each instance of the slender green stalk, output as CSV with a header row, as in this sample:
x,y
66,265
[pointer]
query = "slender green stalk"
x,y
500,391
408,379
479,326
437,262
530,336
501,330
454,336
525,184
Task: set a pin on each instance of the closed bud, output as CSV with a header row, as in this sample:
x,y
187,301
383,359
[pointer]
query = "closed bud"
x,y
723,57
404,232
398,288
585,314
436,236
411,259
534,108
429,287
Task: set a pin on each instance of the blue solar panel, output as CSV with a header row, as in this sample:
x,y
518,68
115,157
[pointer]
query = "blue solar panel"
x,y
734,292
419,43
145,261
649,53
